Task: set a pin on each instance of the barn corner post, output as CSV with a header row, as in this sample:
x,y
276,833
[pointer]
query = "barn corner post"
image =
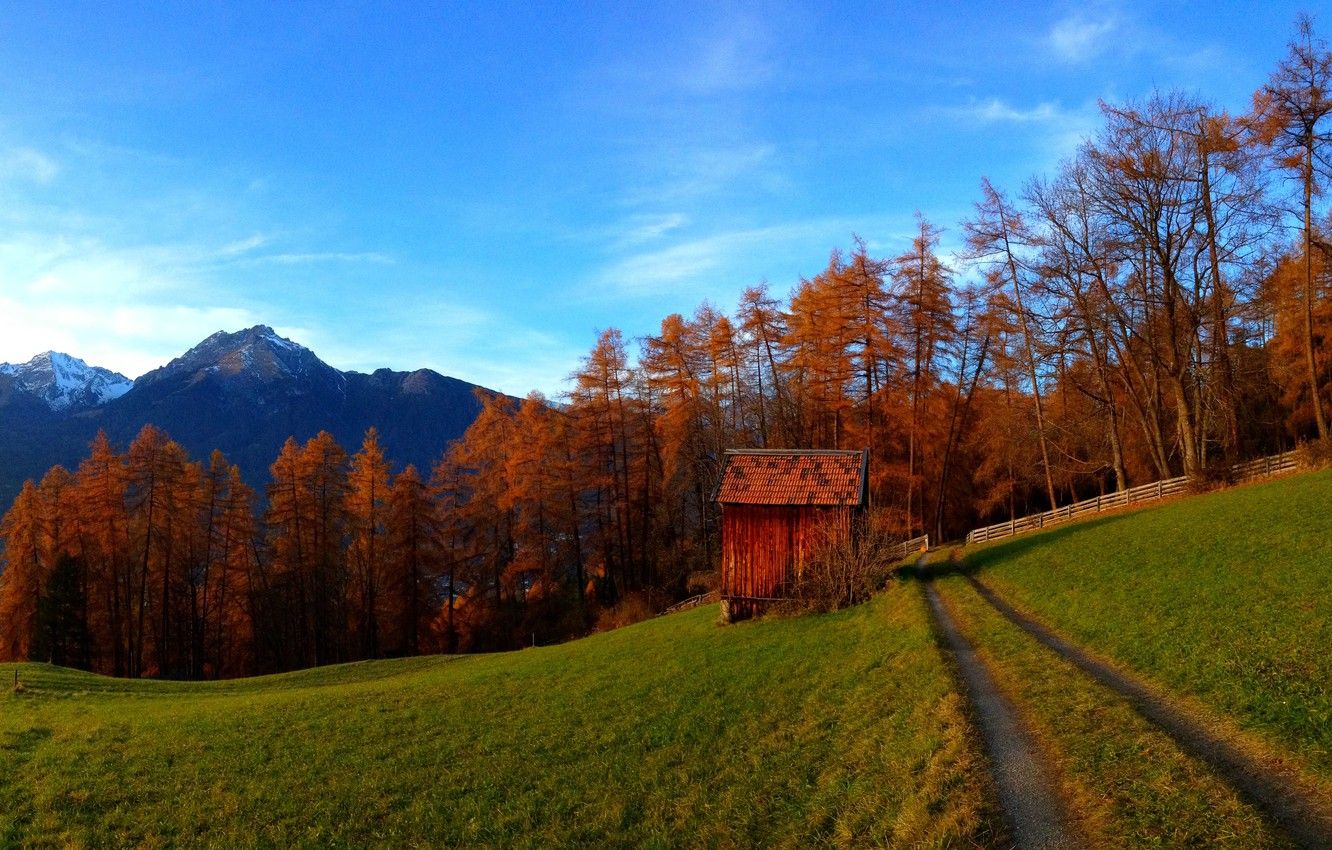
x,y
776,505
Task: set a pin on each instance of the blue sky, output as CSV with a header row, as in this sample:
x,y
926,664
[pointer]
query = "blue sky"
x,y
480,187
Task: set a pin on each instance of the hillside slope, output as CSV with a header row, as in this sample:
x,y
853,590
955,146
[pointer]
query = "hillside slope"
x,y
1225,599
839,729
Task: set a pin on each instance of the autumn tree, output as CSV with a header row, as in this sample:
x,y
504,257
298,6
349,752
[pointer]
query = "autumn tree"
x,y
23,581
1293,112
413,560
924,318
367,508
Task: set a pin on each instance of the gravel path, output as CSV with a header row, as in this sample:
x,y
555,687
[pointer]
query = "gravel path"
x,y
1303,813
1026,790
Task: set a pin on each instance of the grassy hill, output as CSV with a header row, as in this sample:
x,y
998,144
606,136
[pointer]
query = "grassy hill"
x,y
1225,598
841,729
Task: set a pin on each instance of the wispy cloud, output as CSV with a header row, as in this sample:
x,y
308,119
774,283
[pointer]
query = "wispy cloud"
x,y
640,229
727,260
736,55
129,338
243,246
1079,38
1051,130
296,259
691,172
995,110
477,344
28,164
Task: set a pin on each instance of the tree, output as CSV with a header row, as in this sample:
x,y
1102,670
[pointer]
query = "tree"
x,y
413,558
25,576
60,636
367,497
997,235
1293,112
925,321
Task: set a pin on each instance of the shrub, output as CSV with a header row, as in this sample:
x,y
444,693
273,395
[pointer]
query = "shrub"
x,y
632,608
1315,454
1217,473
841,572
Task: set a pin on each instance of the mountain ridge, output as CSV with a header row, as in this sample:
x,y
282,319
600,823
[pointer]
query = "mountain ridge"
x,y
243,392
64,381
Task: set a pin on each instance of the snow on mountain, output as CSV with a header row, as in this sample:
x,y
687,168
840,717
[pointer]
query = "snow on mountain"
x,y
64,382
255,362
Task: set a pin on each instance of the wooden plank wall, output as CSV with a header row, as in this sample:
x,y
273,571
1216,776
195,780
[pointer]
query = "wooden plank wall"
x,y
764,548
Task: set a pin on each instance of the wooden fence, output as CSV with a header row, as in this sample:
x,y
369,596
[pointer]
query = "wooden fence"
x,y
693,602
909,547
1260,468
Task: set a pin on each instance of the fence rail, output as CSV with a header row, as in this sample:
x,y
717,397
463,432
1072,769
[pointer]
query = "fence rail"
x,y
693,602
1259,468
909,547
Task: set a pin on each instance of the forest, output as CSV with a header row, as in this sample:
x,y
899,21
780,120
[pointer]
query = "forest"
x,y
1157,305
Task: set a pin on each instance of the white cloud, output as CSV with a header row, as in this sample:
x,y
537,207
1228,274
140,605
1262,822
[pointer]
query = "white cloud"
x,y
128,338
28,164
1078,38
736,58
1052,130
475,344
693,172
243,246
649,228
724,262
995,110
653,271
295,259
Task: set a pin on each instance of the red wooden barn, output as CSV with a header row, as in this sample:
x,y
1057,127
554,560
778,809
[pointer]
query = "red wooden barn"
x,y
776,505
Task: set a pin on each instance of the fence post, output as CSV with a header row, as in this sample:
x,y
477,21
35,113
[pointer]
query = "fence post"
x,y
1158,489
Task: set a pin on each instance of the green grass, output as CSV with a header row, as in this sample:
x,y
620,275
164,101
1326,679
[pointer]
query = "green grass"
x,y
839,729
1225,598
1127,783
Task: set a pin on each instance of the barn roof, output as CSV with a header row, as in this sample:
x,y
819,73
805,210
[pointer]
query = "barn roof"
x,y
794,477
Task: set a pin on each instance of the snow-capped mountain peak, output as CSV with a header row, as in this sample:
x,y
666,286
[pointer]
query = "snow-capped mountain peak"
x,y
64,382
255,357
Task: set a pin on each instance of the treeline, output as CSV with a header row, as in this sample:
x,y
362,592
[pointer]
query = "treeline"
x,y
1158,305
148,563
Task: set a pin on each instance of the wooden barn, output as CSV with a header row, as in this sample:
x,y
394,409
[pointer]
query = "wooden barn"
x,y
776,505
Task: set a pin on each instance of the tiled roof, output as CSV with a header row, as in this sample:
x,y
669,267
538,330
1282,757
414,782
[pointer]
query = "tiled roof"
x,y
793,478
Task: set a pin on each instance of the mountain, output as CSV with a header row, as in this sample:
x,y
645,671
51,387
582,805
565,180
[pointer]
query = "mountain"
x,y
244,393
62,383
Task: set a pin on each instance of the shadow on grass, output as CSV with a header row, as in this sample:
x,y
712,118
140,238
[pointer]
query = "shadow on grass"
x,y
976,560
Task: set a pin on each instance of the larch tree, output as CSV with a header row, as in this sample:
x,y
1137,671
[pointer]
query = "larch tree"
x,y
414,560
367,507
925,322
998,237
1293,112
23,581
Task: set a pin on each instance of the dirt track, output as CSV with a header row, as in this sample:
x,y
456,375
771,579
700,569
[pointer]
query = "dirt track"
x,y
1301,812
1022,777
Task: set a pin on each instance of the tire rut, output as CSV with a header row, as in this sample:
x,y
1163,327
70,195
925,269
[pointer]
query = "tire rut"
x,y
1301,812
1022,776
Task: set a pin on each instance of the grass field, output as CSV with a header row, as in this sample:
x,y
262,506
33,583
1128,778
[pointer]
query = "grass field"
x,y
1126,782
844,729
1225,598
840,729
